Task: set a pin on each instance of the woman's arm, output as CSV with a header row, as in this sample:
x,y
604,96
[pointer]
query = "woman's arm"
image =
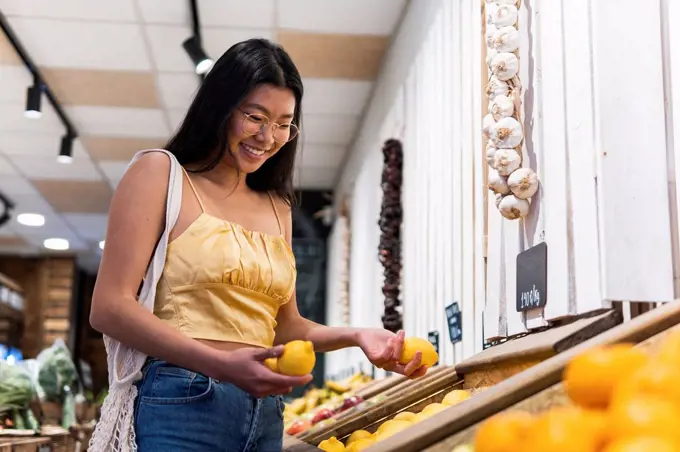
x,y
136,221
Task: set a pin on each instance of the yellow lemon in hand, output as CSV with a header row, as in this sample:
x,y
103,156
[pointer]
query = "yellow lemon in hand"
x,y
416,344
272,364
298,358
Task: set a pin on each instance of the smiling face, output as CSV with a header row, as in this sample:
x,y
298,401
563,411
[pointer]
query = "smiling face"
x,y
261,126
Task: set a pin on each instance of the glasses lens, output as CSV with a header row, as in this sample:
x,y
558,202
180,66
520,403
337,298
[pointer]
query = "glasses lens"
x,y
285,133
252,124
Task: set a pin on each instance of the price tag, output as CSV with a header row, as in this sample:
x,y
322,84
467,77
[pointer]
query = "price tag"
x,y
532,278
433,337
455,322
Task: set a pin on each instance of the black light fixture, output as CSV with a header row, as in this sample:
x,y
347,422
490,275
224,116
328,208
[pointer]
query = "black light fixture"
x,y
201,60
66,149
33,100
6,209
193,45
35,92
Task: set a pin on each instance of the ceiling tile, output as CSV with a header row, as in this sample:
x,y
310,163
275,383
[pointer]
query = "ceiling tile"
x,y
103,88
121,149
12,119
219,40
236,13
86,45
23,144
118,11
16,185
177,90
355,57
113,171
7,231
331,96
8,242
76,196
7,53
15,80
374,17
32,203
118,121
89,226
176,116
6,167
166,47
49,168
320,155
328,129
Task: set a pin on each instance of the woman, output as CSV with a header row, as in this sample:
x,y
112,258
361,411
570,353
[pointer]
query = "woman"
x,y
226,300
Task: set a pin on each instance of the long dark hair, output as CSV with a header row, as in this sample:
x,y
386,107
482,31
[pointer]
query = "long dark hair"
x,y
202,137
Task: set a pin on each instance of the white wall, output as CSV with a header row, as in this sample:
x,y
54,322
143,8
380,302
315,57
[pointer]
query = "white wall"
x,y
600,108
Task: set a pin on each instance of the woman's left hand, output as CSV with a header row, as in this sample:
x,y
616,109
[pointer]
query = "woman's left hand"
x,y
383,349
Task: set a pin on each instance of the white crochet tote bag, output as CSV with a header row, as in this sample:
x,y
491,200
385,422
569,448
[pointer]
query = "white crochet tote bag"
x,y
114,431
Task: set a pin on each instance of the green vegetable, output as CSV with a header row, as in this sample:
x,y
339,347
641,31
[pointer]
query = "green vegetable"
x,y
18,419
30,420
56,372
16,388
69,412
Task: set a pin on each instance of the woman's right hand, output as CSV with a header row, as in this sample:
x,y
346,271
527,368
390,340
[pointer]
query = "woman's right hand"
x,y
245,368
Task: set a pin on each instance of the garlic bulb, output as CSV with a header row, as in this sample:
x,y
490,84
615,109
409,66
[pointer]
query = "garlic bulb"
x,y
504,15
506,161
491,154
498,183
505,65
499,198
507,133
488,125
513,208
523,183
490,33
501,107
505,39
497,87
490,55
491,12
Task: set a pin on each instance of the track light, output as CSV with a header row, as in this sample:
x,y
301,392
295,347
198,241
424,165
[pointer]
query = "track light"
x,y
201,60
33,98
66,149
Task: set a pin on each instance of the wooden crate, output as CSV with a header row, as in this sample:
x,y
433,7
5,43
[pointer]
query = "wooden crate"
x,y
24,444
524,385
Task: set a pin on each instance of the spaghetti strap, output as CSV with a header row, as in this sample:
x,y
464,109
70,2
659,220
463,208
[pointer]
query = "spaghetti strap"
x,y
276,212
191,184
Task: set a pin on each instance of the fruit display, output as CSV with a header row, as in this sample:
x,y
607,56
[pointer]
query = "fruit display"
x,y
619,399
362,439
319,405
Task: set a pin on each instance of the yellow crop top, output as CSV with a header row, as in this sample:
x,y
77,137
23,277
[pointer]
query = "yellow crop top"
x,y
223,282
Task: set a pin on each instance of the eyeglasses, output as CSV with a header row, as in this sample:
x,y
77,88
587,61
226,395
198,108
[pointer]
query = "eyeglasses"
x,y
256,123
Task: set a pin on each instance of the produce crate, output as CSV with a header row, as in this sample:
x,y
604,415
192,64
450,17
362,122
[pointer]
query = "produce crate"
x,y
536,388
62,442
477,375
19,444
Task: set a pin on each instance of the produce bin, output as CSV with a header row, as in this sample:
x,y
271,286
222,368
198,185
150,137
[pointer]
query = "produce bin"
x,y
537,388
18,444
479,375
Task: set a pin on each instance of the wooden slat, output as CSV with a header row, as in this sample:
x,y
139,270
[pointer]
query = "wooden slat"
x,y
635,234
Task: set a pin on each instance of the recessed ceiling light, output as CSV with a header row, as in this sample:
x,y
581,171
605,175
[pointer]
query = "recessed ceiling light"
x,y
56,244
31,219
101,245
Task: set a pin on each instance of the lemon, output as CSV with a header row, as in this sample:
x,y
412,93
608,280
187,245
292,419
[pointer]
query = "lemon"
x,y
332,445
298,358
272,364
404,416
360,445
455,397
357,435
416,344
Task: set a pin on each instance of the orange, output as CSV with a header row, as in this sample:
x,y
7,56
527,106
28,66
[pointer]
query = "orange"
x,y
669,349
643,444
641,416
506,432
590,378
568,429
654,380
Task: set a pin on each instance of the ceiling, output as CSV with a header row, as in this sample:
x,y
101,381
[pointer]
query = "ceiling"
x,y
120,72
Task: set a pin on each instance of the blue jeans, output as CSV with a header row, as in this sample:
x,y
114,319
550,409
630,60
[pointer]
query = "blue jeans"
x,y
180,410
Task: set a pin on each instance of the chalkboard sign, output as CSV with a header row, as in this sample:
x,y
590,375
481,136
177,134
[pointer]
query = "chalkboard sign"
x,y
433,337
532,278
455,323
